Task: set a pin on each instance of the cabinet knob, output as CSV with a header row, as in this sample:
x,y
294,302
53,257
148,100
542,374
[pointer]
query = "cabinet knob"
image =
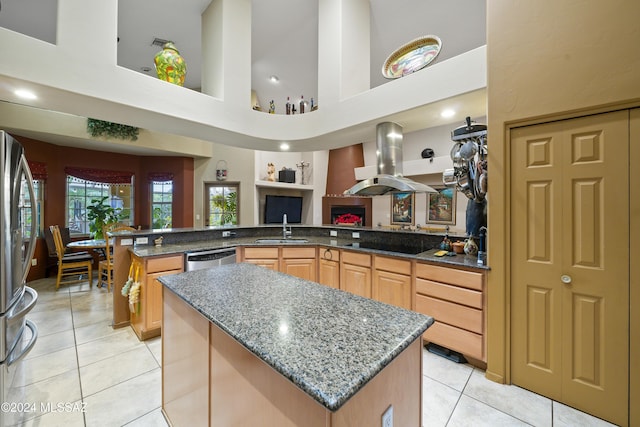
x,y
566,279
328,254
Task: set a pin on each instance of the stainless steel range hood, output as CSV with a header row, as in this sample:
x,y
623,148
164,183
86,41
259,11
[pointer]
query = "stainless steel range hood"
x,y
389,158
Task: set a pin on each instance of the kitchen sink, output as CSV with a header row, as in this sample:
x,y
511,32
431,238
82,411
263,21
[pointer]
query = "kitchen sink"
x,y
281,241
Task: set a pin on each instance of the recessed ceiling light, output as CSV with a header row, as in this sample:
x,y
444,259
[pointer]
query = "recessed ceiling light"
x,y
447,113
25,94
274,79
284,146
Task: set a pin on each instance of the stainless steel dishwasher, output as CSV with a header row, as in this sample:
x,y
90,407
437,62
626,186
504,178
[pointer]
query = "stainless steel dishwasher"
x,y
197,260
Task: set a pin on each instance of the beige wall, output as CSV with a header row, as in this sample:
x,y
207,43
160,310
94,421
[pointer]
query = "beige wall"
x,y
548,59
240,168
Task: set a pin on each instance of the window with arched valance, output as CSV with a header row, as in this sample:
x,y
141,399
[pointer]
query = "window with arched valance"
x,y
88,186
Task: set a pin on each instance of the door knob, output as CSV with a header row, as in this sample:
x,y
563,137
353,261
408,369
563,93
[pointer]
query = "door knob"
x,y
566,279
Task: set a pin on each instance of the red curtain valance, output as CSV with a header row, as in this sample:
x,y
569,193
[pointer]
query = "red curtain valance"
x,y
160,176
38,170
100,175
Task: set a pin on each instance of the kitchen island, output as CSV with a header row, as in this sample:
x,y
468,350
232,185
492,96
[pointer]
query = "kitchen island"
x,y
243,345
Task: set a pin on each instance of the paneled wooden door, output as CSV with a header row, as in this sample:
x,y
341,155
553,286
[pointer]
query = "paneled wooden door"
x,y
570,262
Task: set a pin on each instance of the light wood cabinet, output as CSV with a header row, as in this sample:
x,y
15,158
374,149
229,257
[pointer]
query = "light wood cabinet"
x,y
146,320
455,299
355,273
185,363
262,256
299,262
329,267
392,281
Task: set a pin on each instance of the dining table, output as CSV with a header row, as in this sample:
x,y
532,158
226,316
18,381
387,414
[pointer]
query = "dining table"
x,y
98,245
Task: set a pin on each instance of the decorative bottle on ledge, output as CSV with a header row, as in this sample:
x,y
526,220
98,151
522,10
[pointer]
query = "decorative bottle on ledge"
x,y
170,66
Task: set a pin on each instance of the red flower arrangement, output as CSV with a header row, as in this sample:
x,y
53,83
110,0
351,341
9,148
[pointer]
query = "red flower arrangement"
x,y
348,218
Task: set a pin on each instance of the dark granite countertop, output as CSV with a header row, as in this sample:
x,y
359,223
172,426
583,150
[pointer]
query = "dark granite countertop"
x,y
329,242
328,342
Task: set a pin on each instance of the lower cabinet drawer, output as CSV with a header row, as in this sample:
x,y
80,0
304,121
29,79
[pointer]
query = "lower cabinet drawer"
x,y
450,313
455,294
164,263
255,252
465,342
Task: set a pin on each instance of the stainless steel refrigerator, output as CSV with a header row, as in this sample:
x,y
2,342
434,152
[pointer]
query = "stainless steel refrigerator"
x,y
17,245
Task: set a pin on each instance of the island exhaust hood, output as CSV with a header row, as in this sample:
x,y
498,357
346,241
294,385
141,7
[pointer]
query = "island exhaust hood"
x,y
389,158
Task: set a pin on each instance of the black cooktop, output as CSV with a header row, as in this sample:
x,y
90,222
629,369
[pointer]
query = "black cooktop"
x,y
387,247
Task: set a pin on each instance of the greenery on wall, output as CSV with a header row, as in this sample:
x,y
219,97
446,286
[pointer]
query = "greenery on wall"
x,y
97,127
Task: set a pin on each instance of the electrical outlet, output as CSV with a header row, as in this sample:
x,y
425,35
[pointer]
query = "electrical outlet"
x,y
333,233
34,262
355,235
226,233
387,417
126,242
142,241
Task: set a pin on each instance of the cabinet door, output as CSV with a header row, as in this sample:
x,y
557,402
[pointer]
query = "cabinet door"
x,y
271,264
356,279
392,288
329,273
302,268
263,256
329,267
153,303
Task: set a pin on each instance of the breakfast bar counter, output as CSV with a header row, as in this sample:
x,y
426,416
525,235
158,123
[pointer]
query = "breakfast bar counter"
x,y
243,345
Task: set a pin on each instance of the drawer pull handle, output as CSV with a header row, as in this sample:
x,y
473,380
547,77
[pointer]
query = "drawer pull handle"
x,y
328,254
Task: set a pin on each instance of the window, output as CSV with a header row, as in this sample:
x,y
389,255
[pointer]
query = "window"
x,y
25,208
221,207
81,193
161,203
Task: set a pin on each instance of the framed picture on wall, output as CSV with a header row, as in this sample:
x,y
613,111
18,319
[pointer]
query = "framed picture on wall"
x,y
403,208
441,206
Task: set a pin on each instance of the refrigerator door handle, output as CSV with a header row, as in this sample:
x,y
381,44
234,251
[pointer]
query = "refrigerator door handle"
x,y
26,349
34,216
17,316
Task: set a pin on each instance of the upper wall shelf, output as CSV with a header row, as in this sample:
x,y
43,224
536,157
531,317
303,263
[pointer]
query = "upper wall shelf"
x,y
283,185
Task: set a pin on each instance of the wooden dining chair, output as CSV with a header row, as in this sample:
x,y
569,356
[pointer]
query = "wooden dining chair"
x,y
105,266
52,261
70,264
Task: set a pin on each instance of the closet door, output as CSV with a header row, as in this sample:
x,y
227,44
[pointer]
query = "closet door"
x,y
570,262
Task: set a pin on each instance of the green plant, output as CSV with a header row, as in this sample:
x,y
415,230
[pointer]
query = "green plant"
x,y
161,217
100,214
97,127
225,209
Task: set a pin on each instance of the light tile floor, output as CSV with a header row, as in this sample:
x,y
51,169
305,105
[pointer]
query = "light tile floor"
x,y
105,377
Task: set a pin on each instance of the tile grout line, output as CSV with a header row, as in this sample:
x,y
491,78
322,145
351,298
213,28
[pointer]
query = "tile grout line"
x,y
75,343
491,406
460,395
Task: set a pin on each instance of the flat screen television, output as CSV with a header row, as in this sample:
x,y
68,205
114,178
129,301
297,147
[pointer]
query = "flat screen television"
x,y
276,206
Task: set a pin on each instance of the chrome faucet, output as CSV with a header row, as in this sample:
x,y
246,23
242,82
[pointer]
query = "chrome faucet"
x,y
285,233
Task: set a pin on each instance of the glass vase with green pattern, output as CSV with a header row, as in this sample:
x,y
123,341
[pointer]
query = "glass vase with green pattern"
x,y
170,66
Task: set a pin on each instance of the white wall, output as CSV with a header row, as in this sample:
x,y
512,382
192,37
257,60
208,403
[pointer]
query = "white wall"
x,y
439,139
